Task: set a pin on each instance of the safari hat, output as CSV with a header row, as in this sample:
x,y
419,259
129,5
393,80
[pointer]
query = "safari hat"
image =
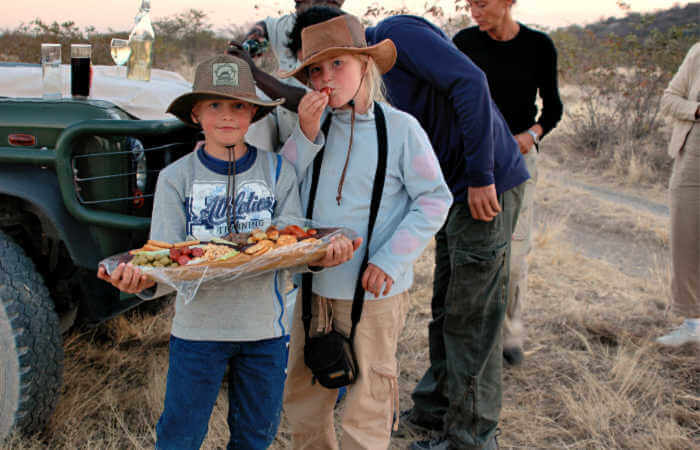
x,y
340,35
225,77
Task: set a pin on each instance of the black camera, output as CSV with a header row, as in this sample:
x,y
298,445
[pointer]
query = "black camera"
x,y
255,47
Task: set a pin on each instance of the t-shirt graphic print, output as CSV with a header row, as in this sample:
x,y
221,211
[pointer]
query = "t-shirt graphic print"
x,y
207,206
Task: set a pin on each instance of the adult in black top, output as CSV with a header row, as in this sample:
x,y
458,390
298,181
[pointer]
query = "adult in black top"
x,y
517,67
519,63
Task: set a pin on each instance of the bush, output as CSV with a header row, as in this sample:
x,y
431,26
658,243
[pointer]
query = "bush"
x,y
621,80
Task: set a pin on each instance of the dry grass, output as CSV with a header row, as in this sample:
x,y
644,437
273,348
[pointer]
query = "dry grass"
x,y
592,379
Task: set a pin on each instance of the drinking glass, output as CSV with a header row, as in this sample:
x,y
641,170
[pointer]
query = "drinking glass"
x,y
120,51
80,70
51,75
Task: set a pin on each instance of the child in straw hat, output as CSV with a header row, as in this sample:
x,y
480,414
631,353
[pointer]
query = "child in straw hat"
x,y
345,76
223,185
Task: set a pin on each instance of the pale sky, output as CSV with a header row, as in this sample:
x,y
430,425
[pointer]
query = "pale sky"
x,y
118,14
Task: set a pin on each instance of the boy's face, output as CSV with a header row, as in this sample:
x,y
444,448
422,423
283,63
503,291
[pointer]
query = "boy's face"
x,y
224,122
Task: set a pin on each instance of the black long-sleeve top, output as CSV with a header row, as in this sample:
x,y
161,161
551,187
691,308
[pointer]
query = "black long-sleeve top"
x,y
516,70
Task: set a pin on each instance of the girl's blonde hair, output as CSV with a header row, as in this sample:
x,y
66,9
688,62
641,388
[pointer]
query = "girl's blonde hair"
x,y
373,78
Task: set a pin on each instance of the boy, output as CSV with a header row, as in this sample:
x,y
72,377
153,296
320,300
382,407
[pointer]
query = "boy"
x,y
238,188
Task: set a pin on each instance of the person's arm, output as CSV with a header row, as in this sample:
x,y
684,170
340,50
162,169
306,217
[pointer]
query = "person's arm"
x,y
433,58
548,85
288,204
270,85
167,225
436,61
430,201
675,101
307,139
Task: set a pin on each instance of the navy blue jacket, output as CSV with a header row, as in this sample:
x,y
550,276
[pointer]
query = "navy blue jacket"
x,y
449,95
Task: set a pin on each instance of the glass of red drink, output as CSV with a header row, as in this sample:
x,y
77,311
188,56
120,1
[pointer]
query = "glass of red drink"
x,y
80,70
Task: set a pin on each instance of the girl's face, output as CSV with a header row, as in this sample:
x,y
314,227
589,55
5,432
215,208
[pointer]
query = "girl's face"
x,y
490,14
224,121
342,74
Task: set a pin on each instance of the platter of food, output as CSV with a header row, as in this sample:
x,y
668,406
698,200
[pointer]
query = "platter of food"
x,y
185,265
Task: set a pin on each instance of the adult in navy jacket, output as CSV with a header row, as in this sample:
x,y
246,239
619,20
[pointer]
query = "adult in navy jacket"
x,y
460,393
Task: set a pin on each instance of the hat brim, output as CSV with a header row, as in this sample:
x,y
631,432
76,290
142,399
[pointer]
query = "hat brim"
x,y
182,106
383,54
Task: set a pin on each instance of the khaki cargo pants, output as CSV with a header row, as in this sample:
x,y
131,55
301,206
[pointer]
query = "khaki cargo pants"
x,y
372,401
520,247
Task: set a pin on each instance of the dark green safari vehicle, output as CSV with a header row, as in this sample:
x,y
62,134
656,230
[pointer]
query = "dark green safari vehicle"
x,y
76,185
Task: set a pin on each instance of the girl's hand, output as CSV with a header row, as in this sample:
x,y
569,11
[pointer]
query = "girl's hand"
x,y
127,278
340,250
310,110
374,279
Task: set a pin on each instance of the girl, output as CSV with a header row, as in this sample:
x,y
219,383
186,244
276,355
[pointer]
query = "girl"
x,y
345,76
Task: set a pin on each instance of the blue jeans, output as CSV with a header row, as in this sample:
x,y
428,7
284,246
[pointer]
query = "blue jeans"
x,y
255,385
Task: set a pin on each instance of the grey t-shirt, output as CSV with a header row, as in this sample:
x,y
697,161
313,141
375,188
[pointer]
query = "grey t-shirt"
x,y
190,202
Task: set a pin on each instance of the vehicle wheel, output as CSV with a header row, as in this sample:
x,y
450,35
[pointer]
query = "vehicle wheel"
x,y
31,348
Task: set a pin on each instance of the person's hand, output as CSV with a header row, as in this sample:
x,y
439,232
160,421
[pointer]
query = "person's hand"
x,y
236,49
483,202
127,278
525,142
340,250
311,108
374,279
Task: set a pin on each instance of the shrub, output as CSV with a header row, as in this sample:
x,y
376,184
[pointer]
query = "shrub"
x,y
621,80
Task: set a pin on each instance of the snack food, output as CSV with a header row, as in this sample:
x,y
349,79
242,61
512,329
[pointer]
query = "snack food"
x,y
285,247
186,265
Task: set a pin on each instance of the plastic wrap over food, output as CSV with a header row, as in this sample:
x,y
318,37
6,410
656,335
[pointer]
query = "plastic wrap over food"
x,y
185,266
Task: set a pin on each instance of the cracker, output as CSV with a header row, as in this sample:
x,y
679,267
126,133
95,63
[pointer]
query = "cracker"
x,y
286,239
160,244
185,244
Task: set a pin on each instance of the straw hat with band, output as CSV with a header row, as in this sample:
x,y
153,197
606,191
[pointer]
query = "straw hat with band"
x,y
221,77
338,36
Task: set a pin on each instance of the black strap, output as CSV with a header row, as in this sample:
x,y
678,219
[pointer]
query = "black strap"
x,y
377,190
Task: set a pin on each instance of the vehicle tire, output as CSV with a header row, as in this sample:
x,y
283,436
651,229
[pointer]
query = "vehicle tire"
x,y
31,348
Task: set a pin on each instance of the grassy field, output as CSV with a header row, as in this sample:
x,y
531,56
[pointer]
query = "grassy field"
x,y
592,378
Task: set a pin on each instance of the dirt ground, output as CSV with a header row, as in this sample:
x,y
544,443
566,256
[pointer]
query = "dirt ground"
x,y
592,378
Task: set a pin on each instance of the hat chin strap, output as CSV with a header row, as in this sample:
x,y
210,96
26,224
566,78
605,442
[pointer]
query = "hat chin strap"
x,y
351,103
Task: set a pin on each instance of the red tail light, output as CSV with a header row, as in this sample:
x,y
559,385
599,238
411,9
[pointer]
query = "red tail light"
x,y
21,140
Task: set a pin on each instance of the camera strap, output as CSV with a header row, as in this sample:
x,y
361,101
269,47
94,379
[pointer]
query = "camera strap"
x,y
377,190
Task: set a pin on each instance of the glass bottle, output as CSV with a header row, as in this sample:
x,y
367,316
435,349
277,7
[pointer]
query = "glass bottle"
x,y
141,43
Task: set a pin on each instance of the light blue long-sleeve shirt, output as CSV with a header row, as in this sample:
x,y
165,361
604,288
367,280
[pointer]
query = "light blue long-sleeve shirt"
x,y
414,204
